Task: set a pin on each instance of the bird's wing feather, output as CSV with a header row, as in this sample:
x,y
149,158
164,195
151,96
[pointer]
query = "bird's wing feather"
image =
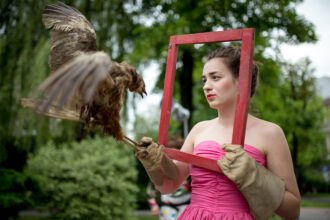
x,y
71,33
52,111
82,75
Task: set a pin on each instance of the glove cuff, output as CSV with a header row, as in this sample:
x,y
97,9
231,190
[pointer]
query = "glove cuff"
x,y
265,194
157,164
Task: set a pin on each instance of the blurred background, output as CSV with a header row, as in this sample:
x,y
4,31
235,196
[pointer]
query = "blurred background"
x,y
59,169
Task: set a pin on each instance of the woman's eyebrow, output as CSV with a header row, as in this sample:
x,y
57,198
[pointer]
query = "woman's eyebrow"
x,y
211,74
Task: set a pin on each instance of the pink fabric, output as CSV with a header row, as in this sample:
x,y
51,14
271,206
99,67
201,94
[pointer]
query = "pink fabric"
x,y
214,196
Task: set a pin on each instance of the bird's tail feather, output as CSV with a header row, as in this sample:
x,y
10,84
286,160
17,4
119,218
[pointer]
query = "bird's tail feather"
x,y
53,111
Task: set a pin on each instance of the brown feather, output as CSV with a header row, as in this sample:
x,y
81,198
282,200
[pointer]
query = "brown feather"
x,y
84,80
71,34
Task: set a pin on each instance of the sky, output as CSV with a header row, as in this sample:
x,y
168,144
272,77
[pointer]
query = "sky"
x,y
317,12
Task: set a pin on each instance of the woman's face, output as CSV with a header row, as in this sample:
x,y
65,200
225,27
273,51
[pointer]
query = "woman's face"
x,y
219,85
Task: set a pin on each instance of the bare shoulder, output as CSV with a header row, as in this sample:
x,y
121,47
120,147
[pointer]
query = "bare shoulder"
x,y
190,139
269,129
201,126
267,134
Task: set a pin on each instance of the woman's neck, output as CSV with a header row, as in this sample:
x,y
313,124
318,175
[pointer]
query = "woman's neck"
x,y
226,117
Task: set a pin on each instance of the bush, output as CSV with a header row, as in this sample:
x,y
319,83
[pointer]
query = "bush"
x,y
93,179
14,192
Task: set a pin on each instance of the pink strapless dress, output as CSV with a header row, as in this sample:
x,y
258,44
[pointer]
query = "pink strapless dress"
x,y
214,196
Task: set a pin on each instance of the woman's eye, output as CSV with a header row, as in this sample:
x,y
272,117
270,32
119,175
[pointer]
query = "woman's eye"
x,y
203,81
216,77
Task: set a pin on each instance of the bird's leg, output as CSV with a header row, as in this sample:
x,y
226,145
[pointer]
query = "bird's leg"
x,y
130,142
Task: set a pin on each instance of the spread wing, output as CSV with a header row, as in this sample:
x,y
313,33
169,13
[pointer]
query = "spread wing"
x,y
75,83
83,79
71,34
76,65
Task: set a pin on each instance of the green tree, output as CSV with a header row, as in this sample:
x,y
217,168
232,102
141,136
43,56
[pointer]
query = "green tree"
x,y
24,49
304,116
23,61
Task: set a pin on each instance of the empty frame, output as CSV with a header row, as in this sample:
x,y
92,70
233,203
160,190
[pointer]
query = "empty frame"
x,y
246,36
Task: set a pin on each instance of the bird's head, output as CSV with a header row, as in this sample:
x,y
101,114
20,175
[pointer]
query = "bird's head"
x,y
134,81
138,86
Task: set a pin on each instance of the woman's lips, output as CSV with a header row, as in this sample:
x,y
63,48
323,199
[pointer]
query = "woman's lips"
x,y
210,97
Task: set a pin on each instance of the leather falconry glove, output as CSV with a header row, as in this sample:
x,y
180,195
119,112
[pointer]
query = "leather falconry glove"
x,y
155,161
262,189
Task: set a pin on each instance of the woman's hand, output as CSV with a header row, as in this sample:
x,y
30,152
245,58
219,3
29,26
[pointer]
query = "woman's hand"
x,y
155,161
261,188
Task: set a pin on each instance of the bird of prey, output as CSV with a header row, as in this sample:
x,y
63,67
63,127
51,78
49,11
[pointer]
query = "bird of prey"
x,y
84,84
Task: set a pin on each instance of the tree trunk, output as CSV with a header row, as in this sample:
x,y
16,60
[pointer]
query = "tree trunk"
x,y
186,82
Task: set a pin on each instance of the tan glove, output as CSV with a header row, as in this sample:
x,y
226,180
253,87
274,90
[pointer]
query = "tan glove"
x,y
261,188
155,161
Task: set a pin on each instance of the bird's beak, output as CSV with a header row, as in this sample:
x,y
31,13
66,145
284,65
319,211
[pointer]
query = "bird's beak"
x,y
143,93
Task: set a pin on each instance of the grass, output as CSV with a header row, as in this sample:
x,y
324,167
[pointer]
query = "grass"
x,y
317,201
314,204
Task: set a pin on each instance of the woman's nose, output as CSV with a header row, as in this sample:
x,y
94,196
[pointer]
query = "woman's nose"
x,y
206,86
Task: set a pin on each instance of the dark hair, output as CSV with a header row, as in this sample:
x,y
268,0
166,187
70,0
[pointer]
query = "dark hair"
x,y
232,57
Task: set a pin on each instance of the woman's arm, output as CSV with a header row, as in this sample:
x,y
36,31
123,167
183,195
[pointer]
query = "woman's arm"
x,y
169,185
279,162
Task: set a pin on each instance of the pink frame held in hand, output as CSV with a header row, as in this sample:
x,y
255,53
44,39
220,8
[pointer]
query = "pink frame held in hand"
x,y
243,96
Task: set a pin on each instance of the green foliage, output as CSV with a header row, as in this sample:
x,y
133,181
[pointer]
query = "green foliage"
x,y
145,126
267,103
15,192
24,49
176,17
303,115
17,48
93,179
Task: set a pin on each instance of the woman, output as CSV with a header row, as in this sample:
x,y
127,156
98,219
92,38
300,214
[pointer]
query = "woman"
x,y
245,189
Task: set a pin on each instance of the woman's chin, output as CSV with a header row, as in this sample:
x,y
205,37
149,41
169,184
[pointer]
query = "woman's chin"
x,y
214,105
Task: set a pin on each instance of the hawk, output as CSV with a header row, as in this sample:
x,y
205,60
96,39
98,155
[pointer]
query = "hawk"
x,y
84,84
